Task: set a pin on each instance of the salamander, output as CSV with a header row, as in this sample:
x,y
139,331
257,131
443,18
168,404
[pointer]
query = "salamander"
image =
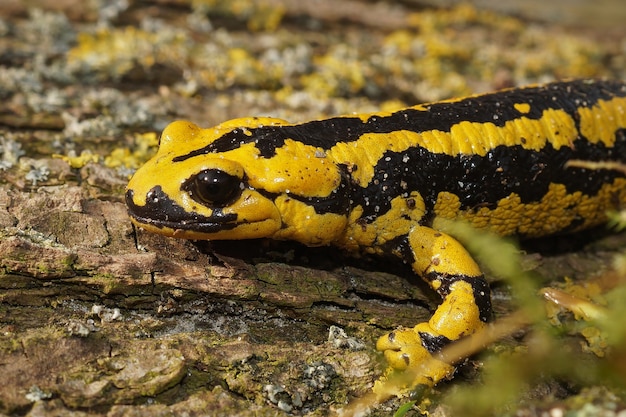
x,y
387,183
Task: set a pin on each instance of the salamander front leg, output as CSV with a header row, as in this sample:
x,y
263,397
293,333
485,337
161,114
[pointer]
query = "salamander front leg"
x,y
450,270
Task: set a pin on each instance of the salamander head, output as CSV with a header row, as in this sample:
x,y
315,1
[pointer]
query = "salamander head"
x,y
215,184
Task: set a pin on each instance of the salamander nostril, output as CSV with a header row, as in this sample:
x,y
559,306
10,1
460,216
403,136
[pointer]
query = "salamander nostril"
x,y
153,196
129,197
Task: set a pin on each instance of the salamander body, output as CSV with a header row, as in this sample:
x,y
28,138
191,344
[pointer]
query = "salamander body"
x,y
386,183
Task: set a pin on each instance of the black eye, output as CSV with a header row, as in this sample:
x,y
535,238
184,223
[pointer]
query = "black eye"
x,y
213,187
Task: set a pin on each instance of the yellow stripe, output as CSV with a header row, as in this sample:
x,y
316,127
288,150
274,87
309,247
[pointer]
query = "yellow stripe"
x,y
600,122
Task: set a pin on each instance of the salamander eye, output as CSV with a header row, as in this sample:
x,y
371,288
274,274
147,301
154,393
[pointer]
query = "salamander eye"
x,y
213,187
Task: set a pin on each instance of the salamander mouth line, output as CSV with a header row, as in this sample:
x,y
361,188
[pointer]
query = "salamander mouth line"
x,y
194,225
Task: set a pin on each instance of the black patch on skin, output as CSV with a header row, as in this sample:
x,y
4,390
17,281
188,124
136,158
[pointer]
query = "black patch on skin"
x,y
480,288
496,108
433,344
161,211
400,247
482,297
334,203
339,200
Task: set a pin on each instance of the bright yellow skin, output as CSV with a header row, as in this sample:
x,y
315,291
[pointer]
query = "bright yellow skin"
x,y
293,188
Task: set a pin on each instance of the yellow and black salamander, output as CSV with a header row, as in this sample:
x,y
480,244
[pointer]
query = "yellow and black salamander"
x,y
384,183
